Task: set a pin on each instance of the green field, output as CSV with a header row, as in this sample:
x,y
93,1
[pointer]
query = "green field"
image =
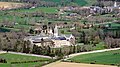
x,y
19,13
9,15
108,58
42,9
21,58
78,2
90,2
115,24
85,2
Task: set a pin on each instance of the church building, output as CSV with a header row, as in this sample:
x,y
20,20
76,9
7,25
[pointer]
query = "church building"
x,y
51,37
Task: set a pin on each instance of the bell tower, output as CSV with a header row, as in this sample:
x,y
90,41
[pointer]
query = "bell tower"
x,y
56,31
115,4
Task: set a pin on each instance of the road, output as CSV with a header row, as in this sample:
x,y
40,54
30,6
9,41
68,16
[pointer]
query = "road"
x,y
1,52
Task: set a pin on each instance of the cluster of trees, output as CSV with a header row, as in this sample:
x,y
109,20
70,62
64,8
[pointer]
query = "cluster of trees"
x,y
96,35
112,36
60,52
88,36
14,41
106,2
112,42
3,60
42,50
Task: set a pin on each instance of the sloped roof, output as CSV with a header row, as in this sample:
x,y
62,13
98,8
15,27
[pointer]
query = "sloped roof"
x,y
39,40
59,38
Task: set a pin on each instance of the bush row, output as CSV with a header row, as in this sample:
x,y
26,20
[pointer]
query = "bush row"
x,y
3,61
28,61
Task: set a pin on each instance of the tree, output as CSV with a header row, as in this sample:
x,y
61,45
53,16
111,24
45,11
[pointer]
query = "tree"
x,y
26,46
31,31
0,44
62,31
72,0
48,50
16,46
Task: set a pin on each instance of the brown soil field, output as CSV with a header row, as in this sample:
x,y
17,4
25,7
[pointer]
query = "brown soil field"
x,y
10,5
68,64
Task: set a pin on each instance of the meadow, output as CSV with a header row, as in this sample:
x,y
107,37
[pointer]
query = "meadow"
x,y
107,58
78,2
11,14
42,9
10,58
17,16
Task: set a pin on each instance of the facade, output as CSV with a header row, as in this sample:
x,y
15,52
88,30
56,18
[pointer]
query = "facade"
x,y
61,43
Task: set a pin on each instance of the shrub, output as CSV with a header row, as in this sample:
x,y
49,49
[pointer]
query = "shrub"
x,y
3,61
92,63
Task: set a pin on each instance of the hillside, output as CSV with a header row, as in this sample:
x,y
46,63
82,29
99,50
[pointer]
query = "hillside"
x,y
78,2
59,2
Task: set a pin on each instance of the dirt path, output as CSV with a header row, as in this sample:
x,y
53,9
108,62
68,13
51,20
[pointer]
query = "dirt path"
x,y
53,64
1,52
30,54
68,64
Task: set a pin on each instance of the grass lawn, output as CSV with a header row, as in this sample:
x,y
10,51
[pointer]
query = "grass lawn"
x,y
99,46
43,9
65,31
108,58
21,58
